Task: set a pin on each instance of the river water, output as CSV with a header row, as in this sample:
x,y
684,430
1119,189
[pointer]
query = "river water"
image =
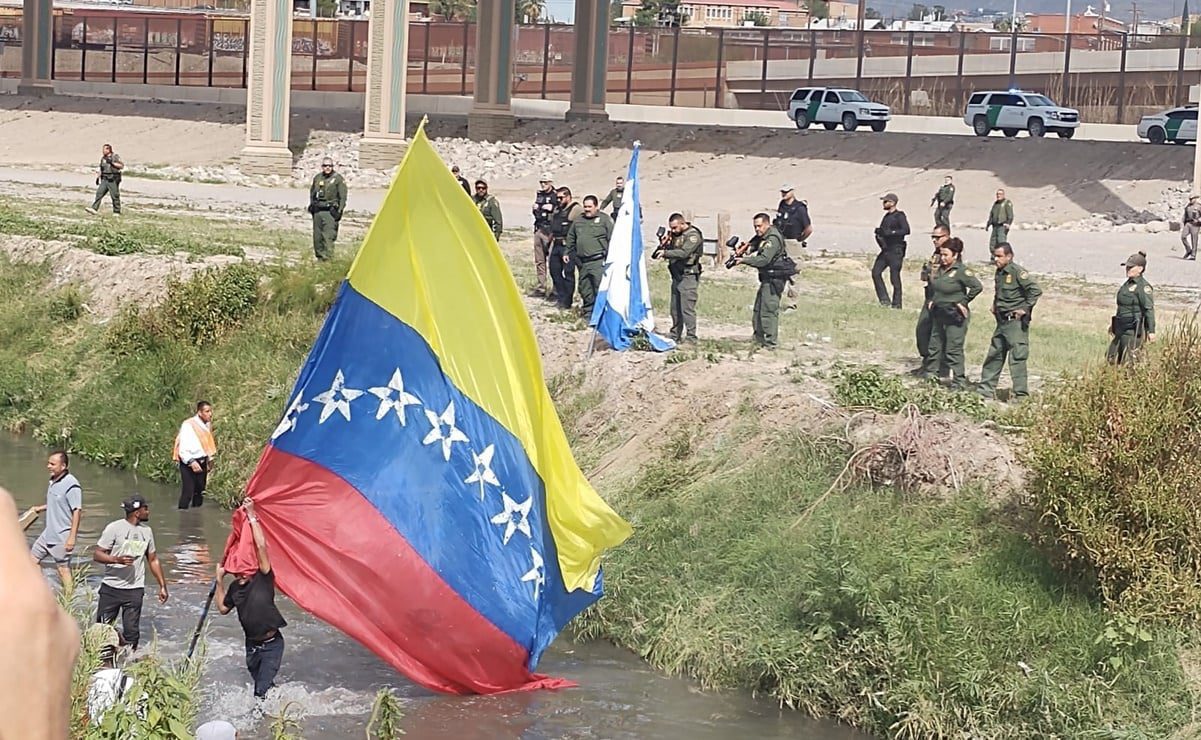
x,y
329,681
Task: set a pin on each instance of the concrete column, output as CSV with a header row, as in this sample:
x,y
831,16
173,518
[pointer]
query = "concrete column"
x,y
268,89
37,44
491,116
591,64
387,61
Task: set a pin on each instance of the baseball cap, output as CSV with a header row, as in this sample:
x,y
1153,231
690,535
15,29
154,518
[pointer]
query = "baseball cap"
x,y
455,169
133,503
546,177
1191,198
216,730
1138,259
785,188
891,196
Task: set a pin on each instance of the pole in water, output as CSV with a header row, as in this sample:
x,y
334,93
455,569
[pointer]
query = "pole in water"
x,y
208,602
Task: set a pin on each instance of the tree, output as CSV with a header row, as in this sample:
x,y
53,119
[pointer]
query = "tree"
x,y
819,9
614,9
530,11
918,12
660,13
756,17
872,14
452,10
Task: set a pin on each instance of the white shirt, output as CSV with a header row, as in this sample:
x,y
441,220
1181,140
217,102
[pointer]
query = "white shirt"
x,y
189,444
107,685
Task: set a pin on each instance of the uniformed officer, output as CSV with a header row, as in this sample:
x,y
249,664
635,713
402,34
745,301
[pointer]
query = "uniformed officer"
x,y
1135,320
615,197
1013,301
890,238
768,245
942,202
544,205
925,323
792,219
327,202
683,255
1000,218
587,246
108,182
1190,227
952,288
462,180
489,208
562,268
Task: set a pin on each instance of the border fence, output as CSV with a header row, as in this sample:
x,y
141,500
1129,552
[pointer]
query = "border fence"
x,y
1111,77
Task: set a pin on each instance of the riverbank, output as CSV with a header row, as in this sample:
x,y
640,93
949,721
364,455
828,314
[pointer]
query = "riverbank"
x,y
919,614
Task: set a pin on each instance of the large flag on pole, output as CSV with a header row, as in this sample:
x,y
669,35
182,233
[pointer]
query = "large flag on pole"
x,y
623,305
419,493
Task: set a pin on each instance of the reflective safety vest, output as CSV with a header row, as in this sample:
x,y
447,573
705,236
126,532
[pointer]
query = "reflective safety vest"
x,y
207,443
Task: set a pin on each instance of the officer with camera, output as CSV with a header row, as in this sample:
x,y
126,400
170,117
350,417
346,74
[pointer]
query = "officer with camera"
x,y
327,203
108,182
682,245
766,252
562,268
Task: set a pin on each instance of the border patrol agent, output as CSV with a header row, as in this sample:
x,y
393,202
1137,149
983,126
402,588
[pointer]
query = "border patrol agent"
x,y
1013,301
952,288
943,201
327,202
108,182
489,208
766,321
587,245
683,257
1134,321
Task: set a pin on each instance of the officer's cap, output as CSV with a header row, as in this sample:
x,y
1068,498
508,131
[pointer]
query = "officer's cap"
x,y
546,177
1138,259
785,188
891,197
1191,198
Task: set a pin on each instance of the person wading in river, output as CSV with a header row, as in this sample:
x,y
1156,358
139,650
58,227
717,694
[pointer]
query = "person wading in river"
x,y
252,594
125,548
195,448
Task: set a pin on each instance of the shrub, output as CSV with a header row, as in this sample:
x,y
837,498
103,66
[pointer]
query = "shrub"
x,y
67,304
1115,474
873,388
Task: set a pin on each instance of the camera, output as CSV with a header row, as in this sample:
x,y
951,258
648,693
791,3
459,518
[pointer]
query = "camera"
x,y
732,243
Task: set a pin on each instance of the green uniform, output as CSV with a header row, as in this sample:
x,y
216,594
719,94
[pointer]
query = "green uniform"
x,y
1000,218
1134,320
766,320
613,198
684,263
925,321
950,287
588,245
943,201
490,210
109,182
327,203
1015,291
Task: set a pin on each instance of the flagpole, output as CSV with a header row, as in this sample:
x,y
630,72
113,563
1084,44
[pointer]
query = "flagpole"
x,y
203,616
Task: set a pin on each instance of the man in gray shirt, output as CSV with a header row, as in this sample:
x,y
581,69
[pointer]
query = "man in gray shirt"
x,y
64,503
125,548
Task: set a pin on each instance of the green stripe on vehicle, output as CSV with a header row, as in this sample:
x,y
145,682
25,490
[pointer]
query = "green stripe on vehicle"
x,y
811,111
1172,126
994,112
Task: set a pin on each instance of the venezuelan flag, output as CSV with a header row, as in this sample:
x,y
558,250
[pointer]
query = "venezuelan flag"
x,y
419,493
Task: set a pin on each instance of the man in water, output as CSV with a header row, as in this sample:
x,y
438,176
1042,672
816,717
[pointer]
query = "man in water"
x,y
64,504
125,548
252,594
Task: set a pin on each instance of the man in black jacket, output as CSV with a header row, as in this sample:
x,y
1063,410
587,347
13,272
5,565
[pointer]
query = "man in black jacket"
x,y
890,237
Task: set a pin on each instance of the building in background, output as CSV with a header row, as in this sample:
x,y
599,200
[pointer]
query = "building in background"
x,y
735,13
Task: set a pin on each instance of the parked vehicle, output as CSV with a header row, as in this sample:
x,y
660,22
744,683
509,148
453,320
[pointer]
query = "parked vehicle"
x,y
1014,110
1177,125
832,107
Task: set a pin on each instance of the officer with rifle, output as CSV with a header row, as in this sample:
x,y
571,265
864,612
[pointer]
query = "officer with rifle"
x,y
766,252
327,203
682,245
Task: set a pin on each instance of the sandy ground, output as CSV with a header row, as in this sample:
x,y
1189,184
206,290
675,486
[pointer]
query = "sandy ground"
x,y
706,171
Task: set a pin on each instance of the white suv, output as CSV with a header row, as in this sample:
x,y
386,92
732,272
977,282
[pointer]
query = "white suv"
x,y
1015,111
833,106
1176,125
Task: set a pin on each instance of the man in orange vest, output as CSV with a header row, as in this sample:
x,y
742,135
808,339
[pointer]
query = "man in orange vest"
x,y
194,451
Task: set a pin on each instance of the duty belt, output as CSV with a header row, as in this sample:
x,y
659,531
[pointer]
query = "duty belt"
x,y
593,258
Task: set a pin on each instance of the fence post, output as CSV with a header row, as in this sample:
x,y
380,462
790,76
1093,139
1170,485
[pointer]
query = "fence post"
x,y
83,52
313,85
630,65
113,71
145,50
1067,71
763,72
350,57
1180,66
212,50
908,74
721,48
245,49
859,41
54,30
425,63
1122,79
545,56
959,70
178,48
675,61
463,70
812,53
723,235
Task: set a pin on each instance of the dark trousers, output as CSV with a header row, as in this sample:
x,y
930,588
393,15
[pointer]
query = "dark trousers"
x,y
562,275
127,601
111,188
890,259
192,484
263,660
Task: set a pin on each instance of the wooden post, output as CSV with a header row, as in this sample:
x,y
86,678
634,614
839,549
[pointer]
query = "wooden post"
x,y
723,233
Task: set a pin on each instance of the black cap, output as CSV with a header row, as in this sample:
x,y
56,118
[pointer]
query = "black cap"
x,y
133,503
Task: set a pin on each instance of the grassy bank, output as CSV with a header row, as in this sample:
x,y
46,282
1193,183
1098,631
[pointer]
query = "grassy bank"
x,y
908,616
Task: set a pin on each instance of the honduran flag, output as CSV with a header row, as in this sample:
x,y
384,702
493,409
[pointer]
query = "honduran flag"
x,y
419,493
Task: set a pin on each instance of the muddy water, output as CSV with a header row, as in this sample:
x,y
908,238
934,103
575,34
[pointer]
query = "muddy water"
x,y
329,680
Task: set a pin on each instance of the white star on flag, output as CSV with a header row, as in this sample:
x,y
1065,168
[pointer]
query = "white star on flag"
x,y
288,423
452,435
387,403
483,470
337,398
535,574
509,517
